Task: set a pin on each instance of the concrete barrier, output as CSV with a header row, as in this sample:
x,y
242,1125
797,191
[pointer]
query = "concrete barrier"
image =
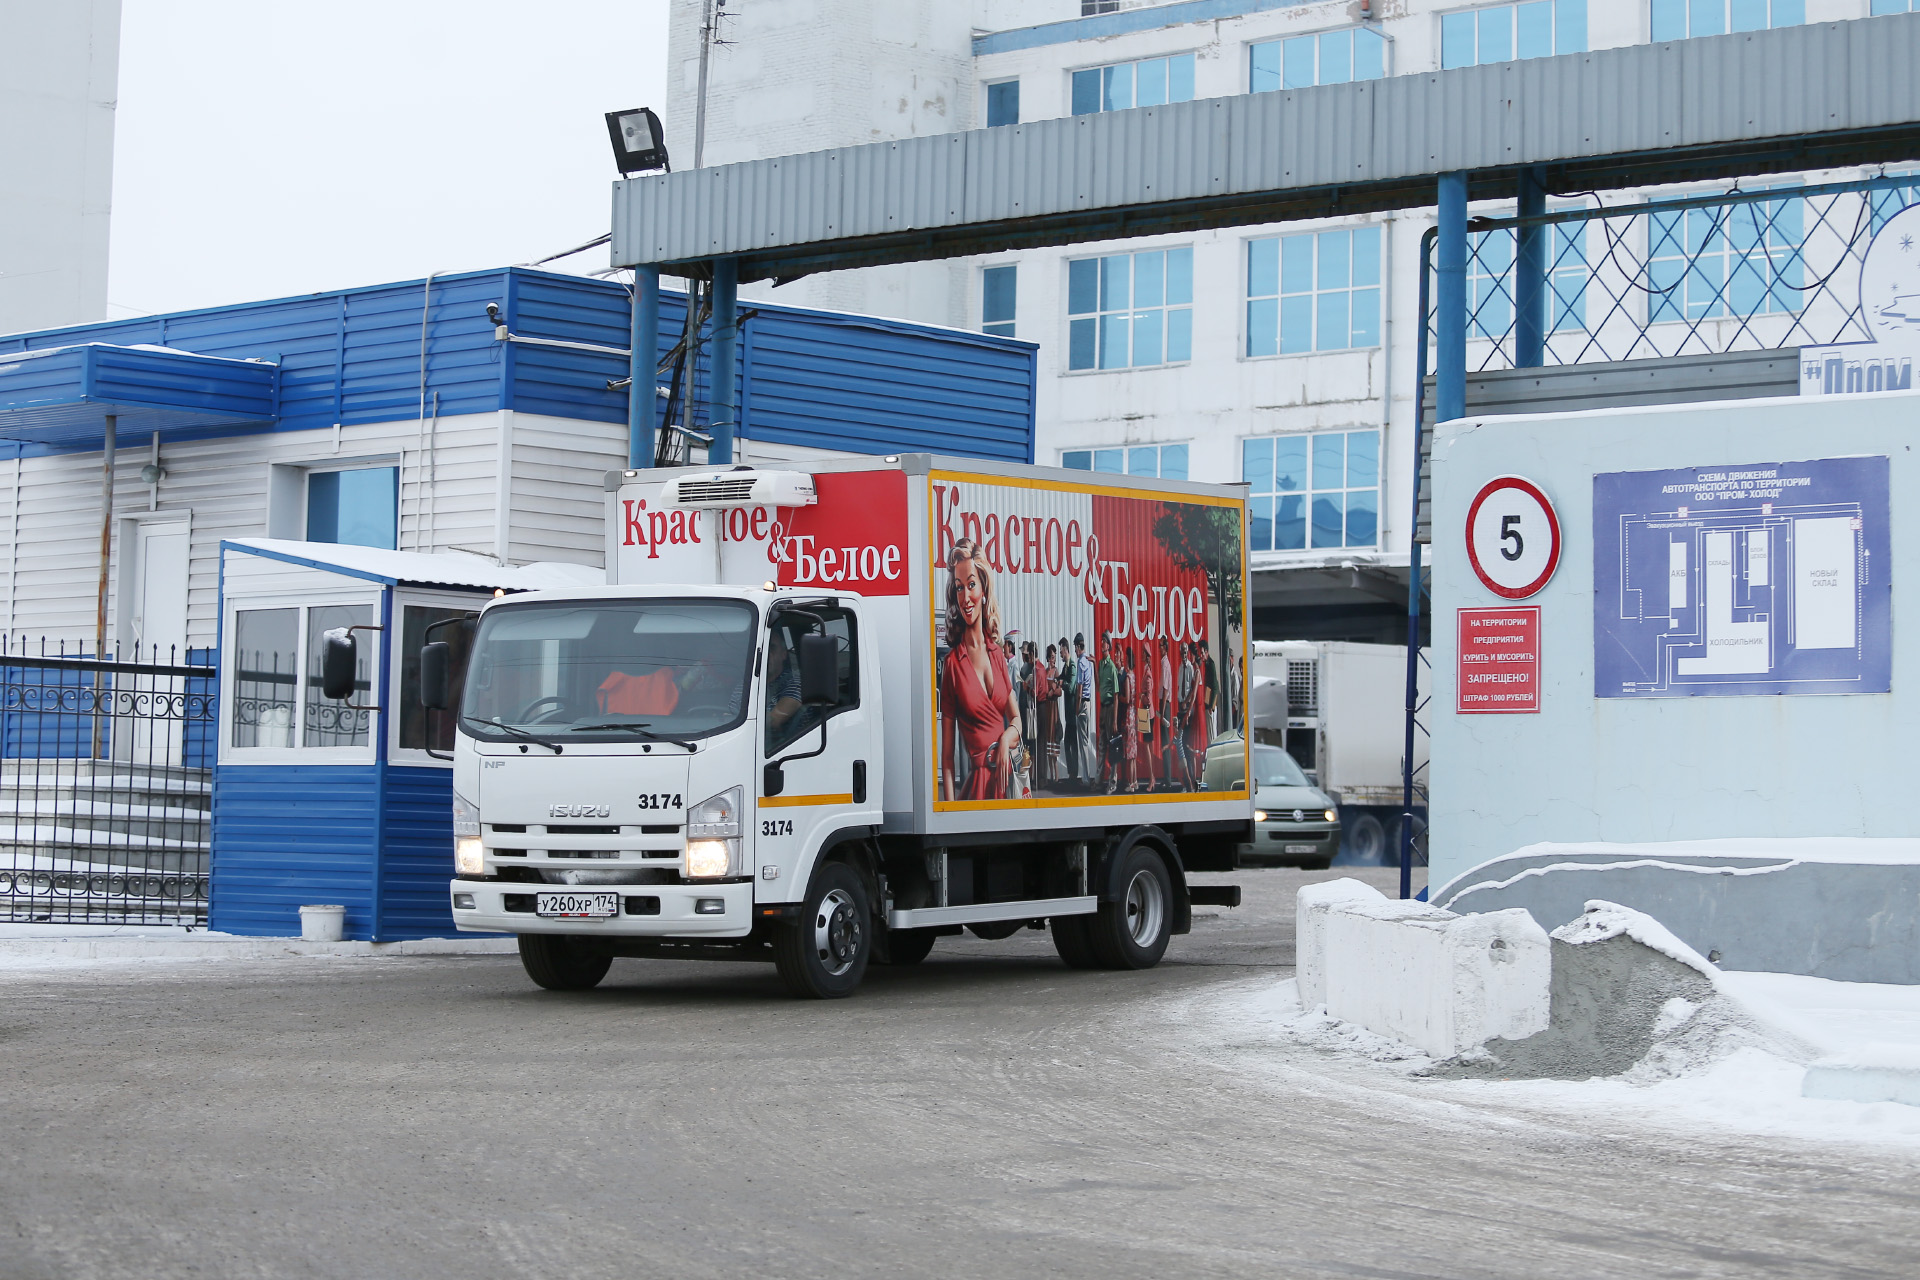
x,y
1442,982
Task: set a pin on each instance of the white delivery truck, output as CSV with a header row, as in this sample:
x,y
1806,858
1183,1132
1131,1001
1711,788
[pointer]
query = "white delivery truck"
x,y
821,715
1339,709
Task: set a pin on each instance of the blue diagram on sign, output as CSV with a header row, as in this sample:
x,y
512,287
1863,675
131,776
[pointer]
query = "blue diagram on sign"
x,y
1764,578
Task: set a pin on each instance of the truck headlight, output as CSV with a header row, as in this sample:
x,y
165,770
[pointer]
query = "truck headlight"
x,y
469,859
715,818
709,859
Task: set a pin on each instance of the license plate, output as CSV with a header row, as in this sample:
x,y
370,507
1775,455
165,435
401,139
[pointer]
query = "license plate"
x,y
576,906
1303,848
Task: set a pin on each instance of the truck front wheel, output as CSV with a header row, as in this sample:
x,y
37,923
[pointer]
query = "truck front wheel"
x,y
1132,932
560,963
823,954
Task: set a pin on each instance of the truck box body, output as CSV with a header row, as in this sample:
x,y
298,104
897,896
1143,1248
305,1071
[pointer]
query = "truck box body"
x,y
1147,567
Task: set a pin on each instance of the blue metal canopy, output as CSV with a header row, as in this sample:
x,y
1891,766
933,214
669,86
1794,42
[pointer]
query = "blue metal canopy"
x,y
61,396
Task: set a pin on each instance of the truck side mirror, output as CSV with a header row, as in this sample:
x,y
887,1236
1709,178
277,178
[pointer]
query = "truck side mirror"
x,y
436,667
773,780
339,657
819,670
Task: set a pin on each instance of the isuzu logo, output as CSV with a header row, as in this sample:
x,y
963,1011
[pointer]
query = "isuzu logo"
x,y
580,811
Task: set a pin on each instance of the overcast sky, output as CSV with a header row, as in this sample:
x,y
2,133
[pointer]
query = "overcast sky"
x,y
264,149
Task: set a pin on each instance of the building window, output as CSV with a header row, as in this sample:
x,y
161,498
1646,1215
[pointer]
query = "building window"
x,y
1490,280
1164,461
1313,292
1734,260
1003,103
1332,57
1093,8
1151,83
1130,309
1883,6
1319,490
1502,33
998,289
1683,19
273,705
360,507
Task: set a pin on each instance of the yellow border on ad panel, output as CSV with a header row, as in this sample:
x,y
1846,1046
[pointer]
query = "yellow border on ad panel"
x,y
1082,802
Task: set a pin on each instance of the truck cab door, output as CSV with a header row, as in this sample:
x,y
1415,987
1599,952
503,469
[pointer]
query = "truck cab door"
x,y
819,769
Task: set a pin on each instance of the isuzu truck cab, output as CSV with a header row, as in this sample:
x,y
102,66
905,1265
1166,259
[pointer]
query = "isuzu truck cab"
x,y
834,712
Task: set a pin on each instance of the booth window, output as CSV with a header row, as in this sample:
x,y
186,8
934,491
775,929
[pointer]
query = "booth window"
x,y
421,729
360,507
786,719
266,689
337,724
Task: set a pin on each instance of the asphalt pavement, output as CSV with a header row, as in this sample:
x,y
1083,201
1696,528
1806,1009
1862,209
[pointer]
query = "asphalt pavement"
x,y
989,1113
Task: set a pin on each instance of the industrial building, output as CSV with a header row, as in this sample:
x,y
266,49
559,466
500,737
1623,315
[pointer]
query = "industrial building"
x,y
1280,354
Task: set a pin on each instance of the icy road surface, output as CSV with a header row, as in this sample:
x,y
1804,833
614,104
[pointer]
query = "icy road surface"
x,y
989,1114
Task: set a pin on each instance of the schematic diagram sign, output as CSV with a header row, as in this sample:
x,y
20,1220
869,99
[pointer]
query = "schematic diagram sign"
x,y
1499,660
1762,578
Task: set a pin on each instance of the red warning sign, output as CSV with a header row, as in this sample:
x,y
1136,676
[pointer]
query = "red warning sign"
x,y
1499,660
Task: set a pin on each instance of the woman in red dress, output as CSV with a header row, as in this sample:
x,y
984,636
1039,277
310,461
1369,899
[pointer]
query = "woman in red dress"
x,y
976,698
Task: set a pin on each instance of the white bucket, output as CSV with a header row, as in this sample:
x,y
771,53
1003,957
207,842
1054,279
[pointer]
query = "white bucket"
x,y
322,924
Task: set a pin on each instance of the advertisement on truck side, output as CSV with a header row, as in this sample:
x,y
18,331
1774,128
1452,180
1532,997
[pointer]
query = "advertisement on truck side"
x,y
1081,638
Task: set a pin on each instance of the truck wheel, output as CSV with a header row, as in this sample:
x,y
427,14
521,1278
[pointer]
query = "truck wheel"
x,y
909,946
1073,942
560,963
1367,838
823,954
1132,933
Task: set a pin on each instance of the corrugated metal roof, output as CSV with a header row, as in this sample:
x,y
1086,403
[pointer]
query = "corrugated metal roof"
x,y
61,396
418,568
812,378
1763,101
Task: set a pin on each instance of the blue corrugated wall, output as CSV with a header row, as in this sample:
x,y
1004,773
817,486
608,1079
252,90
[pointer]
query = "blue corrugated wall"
x,y
416,859
808,378
285,836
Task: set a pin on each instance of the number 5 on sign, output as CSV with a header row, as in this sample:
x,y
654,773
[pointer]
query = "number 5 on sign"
x,y
1513,537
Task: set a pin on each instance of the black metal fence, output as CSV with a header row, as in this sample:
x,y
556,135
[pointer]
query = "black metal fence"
x,y
106,785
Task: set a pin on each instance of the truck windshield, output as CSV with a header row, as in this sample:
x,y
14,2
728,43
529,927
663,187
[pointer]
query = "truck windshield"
x,y
1275,768
604,669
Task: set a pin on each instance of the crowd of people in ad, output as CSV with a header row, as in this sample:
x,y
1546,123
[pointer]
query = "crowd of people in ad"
x,y
1057,717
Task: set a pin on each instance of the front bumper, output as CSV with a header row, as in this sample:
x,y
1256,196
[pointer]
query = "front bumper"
x,y
1287,841
666,910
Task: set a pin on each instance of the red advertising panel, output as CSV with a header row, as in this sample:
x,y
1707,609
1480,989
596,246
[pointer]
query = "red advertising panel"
x,y
1499,660
1086,643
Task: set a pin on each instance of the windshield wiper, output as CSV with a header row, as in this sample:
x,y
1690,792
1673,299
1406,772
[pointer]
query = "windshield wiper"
x,y
517,732
632,726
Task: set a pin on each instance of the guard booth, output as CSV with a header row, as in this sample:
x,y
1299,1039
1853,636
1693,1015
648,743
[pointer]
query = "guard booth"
x,y
347,801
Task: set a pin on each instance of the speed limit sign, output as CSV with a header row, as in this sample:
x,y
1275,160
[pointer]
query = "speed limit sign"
x,y
1513,537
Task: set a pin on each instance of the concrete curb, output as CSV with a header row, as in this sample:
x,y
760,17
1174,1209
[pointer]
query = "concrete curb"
x,y
20,953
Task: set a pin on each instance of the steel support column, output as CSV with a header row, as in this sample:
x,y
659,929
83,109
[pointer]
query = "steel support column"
x,y
643,367
1530,274
1450,302
726,359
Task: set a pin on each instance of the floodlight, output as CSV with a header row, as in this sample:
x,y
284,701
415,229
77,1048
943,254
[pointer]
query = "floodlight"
x,y
637,142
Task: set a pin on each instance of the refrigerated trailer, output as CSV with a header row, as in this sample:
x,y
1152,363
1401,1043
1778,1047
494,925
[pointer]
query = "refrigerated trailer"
x,y
820,715
1339,709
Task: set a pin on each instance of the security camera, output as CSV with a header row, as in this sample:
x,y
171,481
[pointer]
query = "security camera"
x,y
493,313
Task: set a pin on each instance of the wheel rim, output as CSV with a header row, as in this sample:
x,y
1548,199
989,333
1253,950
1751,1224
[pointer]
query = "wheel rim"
x,y
1146,907
836,932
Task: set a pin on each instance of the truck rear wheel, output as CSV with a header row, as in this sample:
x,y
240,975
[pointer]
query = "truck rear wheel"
x,y
1073,941
561,963
823,954
1132,933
